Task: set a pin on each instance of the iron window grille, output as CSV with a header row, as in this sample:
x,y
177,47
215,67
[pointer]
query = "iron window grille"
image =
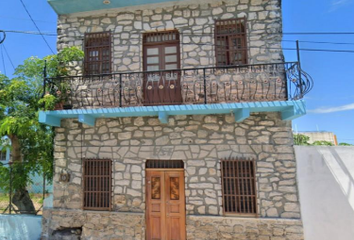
x,y
97,53
230,42
97,184
164,164
239,186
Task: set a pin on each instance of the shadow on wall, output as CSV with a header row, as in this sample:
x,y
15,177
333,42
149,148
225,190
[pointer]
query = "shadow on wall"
x,y
326,186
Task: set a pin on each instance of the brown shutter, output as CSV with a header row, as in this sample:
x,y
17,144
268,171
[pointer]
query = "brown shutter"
x,y
239,186
230,42
164,164
97,184
161,37
97,53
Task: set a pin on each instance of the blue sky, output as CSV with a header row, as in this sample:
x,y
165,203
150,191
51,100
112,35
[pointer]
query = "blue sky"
x,y
330,103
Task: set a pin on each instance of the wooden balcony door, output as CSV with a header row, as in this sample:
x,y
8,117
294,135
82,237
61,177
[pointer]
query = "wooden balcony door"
x,y
162,58
165,205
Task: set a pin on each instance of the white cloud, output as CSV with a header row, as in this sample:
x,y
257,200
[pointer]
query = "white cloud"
x,y
339,3
333,109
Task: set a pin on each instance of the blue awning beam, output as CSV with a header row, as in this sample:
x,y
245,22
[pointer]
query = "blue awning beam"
x,y
289,110
241,114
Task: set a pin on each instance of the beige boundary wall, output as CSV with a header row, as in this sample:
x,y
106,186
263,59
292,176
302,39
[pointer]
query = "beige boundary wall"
x,y
326,185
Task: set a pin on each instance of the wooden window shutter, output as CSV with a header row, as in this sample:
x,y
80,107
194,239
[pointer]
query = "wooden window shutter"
x,y
231,42
161,37
97,184
97,53
239,186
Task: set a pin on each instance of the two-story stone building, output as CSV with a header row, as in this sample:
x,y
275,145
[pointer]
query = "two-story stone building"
x,y
179,125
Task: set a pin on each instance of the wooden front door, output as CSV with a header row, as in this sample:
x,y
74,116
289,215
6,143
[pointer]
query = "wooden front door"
x,y
162,58
165,205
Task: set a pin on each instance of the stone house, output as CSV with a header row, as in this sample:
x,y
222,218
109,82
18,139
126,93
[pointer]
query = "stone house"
x,y
177,123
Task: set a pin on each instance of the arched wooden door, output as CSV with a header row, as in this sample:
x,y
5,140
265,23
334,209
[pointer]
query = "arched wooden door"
x,y
165,205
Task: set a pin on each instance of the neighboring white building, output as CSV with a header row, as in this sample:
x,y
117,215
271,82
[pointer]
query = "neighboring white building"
x,y
326,185
321,136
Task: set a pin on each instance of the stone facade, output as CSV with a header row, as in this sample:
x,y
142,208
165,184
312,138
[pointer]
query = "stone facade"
x,y
195,22
193,19
243,229
91,225
200,141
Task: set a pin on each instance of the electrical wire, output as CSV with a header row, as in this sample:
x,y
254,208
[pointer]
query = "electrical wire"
x,y
337,43
208,34
24,6
3,60
26,19
318,50
32,33
202,34
4,36
8,56
278,48
318,33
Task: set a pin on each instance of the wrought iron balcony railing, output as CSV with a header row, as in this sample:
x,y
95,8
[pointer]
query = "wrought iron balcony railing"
x,y
247,83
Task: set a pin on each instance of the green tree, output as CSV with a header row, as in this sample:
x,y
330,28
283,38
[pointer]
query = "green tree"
x,y
300,139
345,144
31,141
322,143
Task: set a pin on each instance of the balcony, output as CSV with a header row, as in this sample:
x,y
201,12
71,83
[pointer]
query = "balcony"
x,y
250,83
211,90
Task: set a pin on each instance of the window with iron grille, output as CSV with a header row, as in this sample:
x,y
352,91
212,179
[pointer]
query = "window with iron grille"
x,y
230,42
97,53
239,186
164,164
97,184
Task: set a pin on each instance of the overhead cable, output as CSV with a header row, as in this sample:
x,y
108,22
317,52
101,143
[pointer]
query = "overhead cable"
x,y
32,32
338,43
199,34
8,56
2,39
24,6
3,60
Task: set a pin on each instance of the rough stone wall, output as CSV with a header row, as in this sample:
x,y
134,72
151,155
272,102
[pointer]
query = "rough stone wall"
x,y
243,229
94,225
119,226
193,19
200,141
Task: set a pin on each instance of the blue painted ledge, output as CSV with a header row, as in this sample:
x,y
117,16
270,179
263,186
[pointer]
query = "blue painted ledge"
x,y
70,6
289,111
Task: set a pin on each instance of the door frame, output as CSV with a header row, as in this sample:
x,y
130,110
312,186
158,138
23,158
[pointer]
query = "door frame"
x,y
147,192
161,44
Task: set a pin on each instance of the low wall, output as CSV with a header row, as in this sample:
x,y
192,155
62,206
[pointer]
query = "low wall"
x,y
210,227
326,186
77,224
24,227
